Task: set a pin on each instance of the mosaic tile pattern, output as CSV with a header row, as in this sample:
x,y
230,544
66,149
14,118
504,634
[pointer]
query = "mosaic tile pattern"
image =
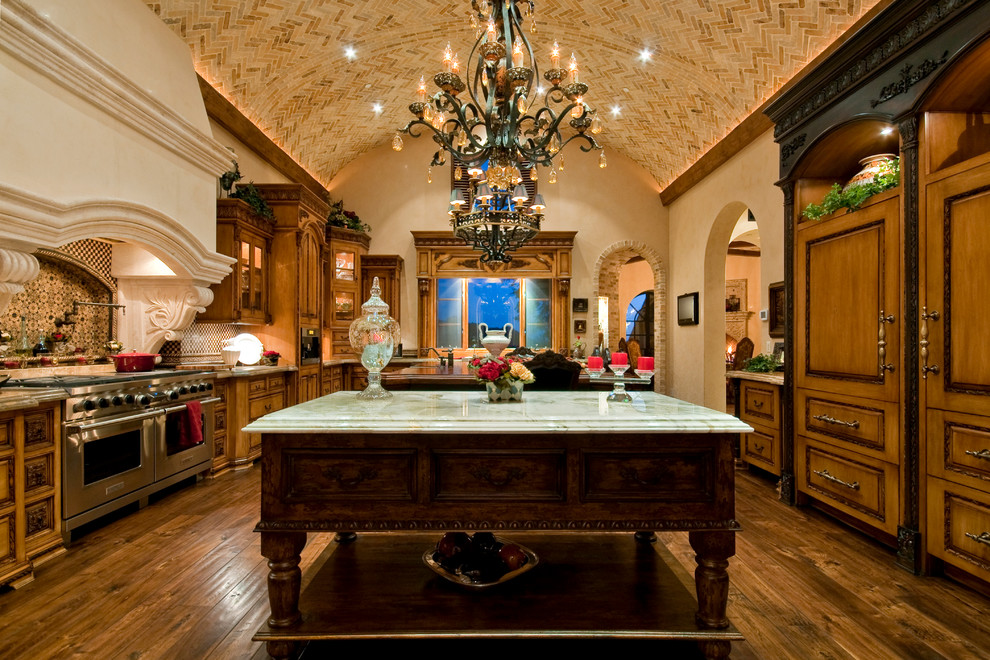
x,y
96,254
282,63
201,344
50,296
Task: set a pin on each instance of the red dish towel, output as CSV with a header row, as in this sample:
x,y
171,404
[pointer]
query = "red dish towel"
x,y
191,427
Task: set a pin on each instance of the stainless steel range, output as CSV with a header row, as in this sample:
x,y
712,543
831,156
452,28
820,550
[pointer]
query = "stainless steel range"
x,y
126,436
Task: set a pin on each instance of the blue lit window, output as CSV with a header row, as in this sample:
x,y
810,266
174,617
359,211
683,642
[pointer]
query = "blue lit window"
x,y
463,304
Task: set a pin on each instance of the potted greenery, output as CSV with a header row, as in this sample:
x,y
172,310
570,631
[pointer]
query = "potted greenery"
x,y
338,217
247,193
852,196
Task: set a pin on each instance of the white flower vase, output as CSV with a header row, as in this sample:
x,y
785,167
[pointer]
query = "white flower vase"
x,y
512,392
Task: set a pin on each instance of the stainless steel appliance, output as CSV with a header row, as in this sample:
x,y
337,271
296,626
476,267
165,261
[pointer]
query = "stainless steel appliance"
x,y
126,436
309,346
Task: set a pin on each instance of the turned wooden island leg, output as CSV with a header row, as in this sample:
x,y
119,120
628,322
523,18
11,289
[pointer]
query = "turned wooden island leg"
x,y
284,578
711,579
712,551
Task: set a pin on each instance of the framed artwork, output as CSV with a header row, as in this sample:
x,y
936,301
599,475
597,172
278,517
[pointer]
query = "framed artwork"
x,y
580,326
776,310
778,351
579,305
687,309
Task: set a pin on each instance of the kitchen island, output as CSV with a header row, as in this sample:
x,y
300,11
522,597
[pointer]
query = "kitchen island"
x,y
570,474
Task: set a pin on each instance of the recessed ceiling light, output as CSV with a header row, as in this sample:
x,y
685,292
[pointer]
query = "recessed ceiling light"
x,y
645,55
887,131
350,53
616,111
378,108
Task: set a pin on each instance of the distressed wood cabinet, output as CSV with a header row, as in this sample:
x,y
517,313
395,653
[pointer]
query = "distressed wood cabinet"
x,y
30,491
887,403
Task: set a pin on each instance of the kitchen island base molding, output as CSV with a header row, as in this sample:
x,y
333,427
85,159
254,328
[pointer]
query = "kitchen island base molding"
x,y
588,586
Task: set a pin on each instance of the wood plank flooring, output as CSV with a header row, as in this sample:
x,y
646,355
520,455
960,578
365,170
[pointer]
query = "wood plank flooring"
x,y
184,578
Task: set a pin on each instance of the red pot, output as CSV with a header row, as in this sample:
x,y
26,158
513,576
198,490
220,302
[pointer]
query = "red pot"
x,y
134,361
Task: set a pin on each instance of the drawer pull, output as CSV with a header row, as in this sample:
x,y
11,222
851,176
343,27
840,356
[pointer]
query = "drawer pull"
x,y
362,475
759,447
757,404
484,474
828,476
983,538
661,475
983,453
838,422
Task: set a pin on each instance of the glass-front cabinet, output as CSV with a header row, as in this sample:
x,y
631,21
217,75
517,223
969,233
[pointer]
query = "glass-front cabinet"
x,y
242,296
343,285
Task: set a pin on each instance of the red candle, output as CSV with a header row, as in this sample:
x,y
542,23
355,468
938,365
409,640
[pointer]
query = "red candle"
x,y
644,364
620,358
595,362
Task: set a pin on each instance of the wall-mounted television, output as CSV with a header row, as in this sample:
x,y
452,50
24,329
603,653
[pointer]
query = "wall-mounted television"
x,y
687,309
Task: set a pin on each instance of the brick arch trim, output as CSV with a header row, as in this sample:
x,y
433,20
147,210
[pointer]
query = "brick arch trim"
x,y
605,282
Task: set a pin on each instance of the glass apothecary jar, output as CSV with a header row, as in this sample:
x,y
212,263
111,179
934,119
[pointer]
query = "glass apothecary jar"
x,y
373,335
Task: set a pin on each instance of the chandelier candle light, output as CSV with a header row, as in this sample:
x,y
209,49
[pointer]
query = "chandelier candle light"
x,y
508,124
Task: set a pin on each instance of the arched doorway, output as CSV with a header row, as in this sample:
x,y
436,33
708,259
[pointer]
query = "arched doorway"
x,y
606,284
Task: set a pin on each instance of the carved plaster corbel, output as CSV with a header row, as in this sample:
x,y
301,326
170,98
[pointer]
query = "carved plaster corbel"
x,y
159,309
16,269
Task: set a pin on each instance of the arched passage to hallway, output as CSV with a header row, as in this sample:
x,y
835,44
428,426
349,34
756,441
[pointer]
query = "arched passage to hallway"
x,y
606,283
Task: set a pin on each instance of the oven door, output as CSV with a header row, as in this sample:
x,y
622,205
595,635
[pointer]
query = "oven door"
x,y
106,459
180,447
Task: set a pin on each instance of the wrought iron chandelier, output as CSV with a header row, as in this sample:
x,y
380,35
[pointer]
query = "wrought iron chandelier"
x,y
509,123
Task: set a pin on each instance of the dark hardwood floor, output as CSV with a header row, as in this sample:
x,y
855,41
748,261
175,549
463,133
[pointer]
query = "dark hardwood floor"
x,y
184,578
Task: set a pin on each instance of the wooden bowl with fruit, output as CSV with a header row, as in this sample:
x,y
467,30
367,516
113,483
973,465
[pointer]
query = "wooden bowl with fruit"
x,y
478,560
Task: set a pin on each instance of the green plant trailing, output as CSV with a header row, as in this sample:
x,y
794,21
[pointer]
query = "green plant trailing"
x,y
248,193
852,197
338,217
762,363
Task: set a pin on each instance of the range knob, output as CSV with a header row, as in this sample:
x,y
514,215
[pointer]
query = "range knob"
x,y
201,387
183,390
209,386
117,400
103,402
171,394
128,398
143,399
89,404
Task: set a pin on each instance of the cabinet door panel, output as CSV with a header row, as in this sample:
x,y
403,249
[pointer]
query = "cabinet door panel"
x,y
958,270
847,274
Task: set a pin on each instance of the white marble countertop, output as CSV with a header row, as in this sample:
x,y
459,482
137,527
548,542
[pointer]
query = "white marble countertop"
x,y
471,412
19,398
773,377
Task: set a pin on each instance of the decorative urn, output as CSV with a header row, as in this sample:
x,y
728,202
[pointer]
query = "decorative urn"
x,y
374,335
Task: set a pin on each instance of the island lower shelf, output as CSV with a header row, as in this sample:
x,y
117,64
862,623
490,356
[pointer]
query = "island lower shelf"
x,y
585,586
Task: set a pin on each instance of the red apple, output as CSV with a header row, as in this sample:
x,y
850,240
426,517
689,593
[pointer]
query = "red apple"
x,y
512,556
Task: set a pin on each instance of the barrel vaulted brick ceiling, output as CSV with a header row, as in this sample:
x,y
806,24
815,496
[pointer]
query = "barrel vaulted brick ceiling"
x,y
283,64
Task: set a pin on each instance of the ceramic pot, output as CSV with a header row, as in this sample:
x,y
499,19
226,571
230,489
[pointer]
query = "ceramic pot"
x,y
230,355
495,340
872,166
127,362
512,392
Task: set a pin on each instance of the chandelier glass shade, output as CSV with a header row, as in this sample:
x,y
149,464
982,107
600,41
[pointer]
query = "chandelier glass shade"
x,y
499,122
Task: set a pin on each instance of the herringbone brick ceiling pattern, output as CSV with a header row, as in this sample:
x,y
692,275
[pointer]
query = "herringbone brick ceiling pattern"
x,y
283,64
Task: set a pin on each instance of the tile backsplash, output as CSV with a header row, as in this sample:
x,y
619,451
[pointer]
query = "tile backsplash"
x,y
77,271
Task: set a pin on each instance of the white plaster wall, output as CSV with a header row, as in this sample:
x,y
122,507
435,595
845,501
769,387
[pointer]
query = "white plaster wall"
x,y
253,167
388,190
715,204
66,150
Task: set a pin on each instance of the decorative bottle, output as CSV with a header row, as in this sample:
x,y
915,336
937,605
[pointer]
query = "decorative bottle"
x,y
374,335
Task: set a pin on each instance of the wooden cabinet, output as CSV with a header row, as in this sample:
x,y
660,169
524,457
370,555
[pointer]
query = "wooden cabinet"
x,y
299,254
758,404
242,296
343,286
243,400
388,269
30,491
887,407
